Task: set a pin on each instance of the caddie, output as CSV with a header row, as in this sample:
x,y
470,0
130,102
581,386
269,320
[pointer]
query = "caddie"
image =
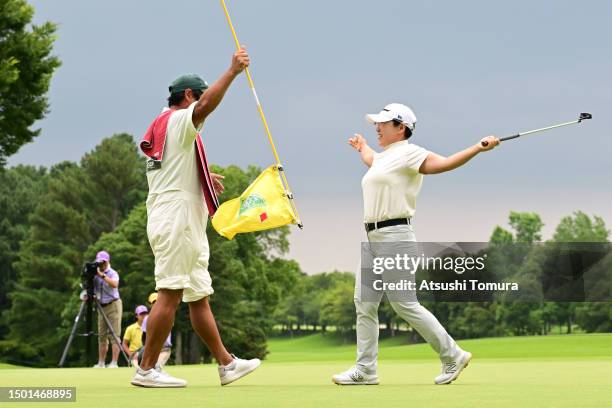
x,y
182,195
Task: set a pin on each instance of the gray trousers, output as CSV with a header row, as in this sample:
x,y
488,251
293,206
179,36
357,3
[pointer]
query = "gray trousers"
x,y
412,312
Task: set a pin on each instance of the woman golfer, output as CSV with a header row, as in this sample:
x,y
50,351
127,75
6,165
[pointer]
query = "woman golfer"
x,y
390,188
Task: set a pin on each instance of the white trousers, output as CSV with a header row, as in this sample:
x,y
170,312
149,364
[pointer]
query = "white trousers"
x,y
413,313
176,227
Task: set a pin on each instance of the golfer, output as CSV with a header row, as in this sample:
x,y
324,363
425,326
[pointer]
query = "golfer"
x,y
180,199
390,188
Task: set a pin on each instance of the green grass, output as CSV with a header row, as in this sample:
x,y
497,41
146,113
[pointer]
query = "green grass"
x,y
318,347
4,366
560,371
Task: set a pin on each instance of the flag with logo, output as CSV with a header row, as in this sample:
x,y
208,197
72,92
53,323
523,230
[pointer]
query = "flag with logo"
x,y
268,201
263,205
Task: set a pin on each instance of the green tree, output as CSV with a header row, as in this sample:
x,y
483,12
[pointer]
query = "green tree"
x,y
116,181
501,236
509,250
26,67
312,307
580,228
527,226
595,316
48,258
285,317
475,320
75,209
591,316
20,191
519,319
291,309
337,307
388,316
301,305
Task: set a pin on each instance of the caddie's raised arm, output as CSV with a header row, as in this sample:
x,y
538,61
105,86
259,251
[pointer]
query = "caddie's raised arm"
x,y
213,95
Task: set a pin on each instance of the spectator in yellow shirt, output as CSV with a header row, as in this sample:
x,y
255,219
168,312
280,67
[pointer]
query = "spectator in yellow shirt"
x,y
132,338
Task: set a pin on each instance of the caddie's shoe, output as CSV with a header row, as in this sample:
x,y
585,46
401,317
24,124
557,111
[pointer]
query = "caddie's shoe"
x,y
112,364
99,365
154,378
451,370
354,376
237,369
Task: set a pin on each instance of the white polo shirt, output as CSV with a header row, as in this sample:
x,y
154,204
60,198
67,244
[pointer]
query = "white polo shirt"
x,y
391,185
179,172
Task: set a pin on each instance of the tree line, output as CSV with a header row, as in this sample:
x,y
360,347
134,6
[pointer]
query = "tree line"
x,y
52,220
517,255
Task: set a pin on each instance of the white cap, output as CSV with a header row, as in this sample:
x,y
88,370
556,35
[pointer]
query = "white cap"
x,y
394,111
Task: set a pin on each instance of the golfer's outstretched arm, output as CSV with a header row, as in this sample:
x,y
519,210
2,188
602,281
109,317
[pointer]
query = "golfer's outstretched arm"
x,y
359,143
213,95
434,163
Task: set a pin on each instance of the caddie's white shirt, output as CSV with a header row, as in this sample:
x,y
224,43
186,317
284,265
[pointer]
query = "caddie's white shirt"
x,y
179,170
391,185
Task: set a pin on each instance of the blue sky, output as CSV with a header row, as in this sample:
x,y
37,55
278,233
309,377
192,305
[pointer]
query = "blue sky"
x,y
468,69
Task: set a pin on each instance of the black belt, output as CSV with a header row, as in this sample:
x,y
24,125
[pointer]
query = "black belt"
x,y
370,226
106,304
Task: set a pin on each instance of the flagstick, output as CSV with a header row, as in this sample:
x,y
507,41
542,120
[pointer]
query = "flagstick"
x,y
264,121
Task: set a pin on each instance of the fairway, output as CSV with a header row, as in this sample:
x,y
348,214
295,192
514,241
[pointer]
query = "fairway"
x,y
574,371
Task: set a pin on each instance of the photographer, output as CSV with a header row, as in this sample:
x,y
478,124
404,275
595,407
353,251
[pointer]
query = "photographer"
x,y
106,288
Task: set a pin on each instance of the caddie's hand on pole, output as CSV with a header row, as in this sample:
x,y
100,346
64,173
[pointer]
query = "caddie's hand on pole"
x,y
488,143
210,99
240,60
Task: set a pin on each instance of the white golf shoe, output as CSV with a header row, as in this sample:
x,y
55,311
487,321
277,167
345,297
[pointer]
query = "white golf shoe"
x,y
112,364
451,370
354,376
237,369
156,378
99,365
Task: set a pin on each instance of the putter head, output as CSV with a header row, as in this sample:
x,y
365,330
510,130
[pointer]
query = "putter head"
x,y
584,116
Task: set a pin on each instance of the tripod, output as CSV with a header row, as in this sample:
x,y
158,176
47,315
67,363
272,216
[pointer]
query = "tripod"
x,y
87,301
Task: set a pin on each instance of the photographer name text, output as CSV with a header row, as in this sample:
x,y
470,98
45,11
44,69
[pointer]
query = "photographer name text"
x,y
457,285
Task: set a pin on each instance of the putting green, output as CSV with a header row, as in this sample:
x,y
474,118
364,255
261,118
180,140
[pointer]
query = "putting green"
x,y
557,379
329,348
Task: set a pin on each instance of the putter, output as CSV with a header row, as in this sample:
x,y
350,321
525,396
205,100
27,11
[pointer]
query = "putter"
x,y
583,116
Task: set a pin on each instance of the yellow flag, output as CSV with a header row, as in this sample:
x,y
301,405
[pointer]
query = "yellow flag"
x,y
263,205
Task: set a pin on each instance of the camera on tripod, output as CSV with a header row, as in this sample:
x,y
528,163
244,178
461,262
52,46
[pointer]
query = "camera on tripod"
x,y
88,303
89,272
